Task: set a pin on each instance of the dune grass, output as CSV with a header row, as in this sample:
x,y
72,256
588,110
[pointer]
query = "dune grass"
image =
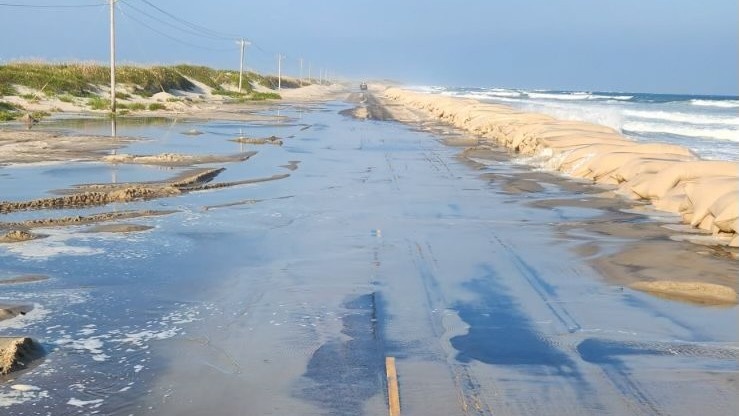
x,y
8,111
73,80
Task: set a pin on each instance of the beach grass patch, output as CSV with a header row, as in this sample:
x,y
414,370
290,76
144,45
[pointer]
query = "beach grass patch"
x,y
157,106
7,89
98,103
9,111
260,96
66,98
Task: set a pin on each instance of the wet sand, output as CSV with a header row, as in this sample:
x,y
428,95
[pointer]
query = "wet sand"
x,y
498,289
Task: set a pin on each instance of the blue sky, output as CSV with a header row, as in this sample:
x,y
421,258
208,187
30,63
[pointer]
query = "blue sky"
x,y
678,46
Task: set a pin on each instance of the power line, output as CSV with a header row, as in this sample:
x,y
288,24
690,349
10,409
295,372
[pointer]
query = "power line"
x,y
153,29
172,25
52,6
225,36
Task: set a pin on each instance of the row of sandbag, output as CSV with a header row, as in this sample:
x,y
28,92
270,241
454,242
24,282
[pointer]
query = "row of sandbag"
x,y
704,193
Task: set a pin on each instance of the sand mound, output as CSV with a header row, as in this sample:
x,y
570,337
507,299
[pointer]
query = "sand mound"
x,y
17,353
689,291
28,278
259,140
176,159
119,228
15,236
672,178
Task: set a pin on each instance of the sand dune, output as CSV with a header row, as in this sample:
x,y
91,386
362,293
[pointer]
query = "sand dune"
x,y
672,178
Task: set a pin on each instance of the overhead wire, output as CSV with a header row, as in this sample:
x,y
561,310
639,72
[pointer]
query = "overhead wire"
x,y
211,32
53,6
172,25
168,36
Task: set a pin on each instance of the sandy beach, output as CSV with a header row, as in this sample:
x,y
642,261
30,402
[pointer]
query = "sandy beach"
x,y
269,263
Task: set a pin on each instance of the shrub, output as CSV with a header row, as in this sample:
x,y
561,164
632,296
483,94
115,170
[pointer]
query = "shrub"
x,y
7,89
157,106
98,103
137,106
9,111
259,96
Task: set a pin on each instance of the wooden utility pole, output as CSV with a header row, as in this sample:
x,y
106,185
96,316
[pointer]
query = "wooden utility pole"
x,y
241,65
112,56
301,72
279,71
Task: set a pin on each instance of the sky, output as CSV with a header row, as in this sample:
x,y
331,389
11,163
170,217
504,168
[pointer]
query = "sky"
x,y
661,46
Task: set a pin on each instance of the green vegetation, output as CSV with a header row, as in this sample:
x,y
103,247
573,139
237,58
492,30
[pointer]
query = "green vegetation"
x,y
38,115
157,106
66,98
67,81
9,111
98,103
80,80
137,106
7,89
260,96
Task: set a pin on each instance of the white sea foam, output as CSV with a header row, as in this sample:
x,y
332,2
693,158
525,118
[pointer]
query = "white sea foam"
x,y
24,387
14,396
82,403
93,345
55,244
716,103
687,131
504,93
683,117
555,96
36,314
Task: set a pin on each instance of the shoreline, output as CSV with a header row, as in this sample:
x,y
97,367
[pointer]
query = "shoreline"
x,y
687,270
704,193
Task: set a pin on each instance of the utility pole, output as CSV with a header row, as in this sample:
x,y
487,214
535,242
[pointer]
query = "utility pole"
x,y
301,72
112,56
241,65
309,77
279,71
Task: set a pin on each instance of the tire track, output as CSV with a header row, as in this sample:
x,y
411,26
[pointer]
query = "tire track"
x,y
469,393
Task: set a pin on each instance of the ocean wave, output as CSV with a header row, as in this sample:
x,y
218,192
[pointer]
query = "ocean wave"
x,y
716,103
575,96
683,117
504,93
559,96
721,134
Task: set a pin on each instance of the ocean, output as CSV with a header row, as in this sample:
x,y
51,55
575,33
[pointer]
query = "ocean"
x,y
706,124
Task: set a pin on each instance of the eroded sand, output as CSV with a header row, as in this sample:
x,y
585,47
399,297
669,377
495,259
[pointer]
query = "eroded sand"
x,y
176,159
17,353
19,146
700,292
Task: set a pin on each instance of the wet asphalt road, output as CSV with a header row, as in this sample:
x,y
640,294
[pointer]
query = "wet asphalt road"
x,y
384,243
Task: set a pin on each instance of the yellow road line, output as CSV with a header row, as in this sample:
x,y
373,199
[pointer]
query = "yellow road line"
x,y
393,396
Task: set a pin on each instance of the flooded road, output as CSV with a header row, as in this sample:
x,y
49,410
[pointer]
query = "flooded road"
x,y
285,297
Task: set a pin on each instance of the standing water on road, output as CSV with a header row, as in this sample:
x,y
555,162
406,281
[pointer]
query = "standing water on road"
x,y
285,296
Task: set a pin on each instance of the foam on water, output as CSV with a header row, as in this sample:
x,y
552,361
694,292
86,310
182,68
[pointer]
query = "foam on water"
x,y
709,126
678,130
57,242
716,103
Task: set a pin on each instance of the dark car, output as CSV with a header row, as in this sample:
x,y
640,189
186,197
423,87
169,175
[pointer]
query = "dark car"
x,y
363,86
